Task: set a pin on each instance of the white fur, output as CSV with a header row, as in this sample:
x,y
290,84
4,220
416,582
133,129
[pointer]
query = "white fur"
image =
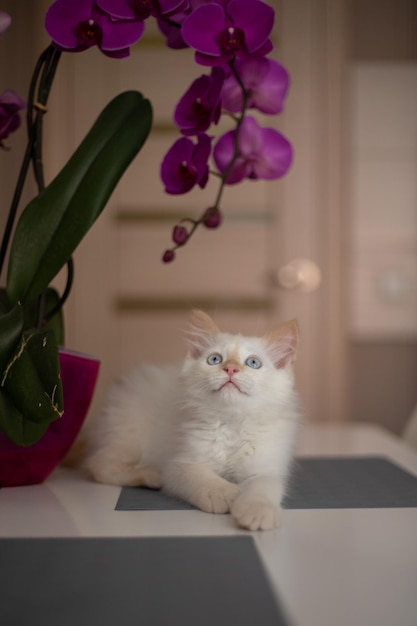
x,y
220,448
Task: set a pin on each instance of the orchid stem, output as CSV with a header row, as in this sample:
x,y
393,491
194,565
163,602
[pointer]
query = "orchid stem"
x,y
15,202
238,120
33,148
40,87
50,64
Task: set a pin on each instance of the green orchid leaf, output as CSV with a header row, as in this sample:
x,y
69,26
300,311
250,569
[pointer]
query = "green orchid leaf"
x,y
31,380
54,222
14,425
11,327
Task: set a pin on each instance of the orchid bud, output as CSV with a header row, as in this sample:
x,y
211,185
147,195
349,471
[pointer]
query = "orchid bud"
x,y
179,235
5,21
169,256
212,218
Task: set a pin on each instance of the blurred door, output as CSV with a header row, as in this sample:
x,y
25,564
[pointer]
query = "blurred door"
x,y
276,256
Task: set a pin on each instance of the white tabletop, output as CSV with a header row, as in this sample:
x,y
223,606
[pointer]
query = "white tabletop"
x,y
344,567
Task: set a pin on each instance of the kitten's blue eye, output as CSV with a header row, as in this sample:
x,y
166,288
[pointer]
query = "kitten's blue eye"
x,y
254,362
214,359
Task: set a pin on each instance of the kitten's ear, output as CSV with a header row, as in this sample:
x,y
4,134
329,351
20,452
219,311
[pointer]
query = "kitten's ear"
x,y
200,332
282,344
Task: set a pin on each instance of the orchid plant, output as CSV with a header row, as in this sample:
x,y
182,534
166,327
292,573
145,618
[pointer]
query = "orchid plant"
x,y
231,38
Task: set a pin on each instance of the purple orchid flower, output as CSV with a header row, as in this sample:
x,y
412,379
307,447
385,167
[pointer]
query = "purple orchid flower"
x,y
185,165
173,34
265,80
10,105
263,153
172,28
139,9
200,106
76,25
220,31
5,21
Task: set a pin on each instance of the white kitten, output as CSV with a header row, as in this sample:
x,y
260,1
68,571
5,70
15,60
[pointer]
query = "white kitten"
x,y
218,432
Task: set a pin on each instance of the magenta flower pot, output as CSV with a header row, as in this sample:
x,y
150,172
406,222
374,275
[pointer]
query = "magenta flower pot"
x,y
32,465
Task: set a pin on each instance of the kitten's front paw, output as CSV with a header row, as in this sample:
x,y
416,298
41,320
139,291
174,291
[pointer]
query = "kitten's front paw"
x,y
256,513
217,498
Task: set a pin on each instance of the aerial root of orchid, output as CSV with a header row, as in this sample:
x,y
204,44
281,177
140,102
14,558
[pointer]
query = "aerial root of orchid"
x,y
232,37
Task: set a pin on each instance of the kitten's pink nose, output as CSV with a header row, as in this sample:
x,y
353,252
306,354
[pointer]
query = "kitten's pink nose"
x,y
231,368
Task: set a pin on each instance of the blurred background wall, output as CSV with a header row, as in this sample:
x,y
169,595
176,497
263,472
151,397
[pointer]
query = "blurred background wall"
x,y
382,149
